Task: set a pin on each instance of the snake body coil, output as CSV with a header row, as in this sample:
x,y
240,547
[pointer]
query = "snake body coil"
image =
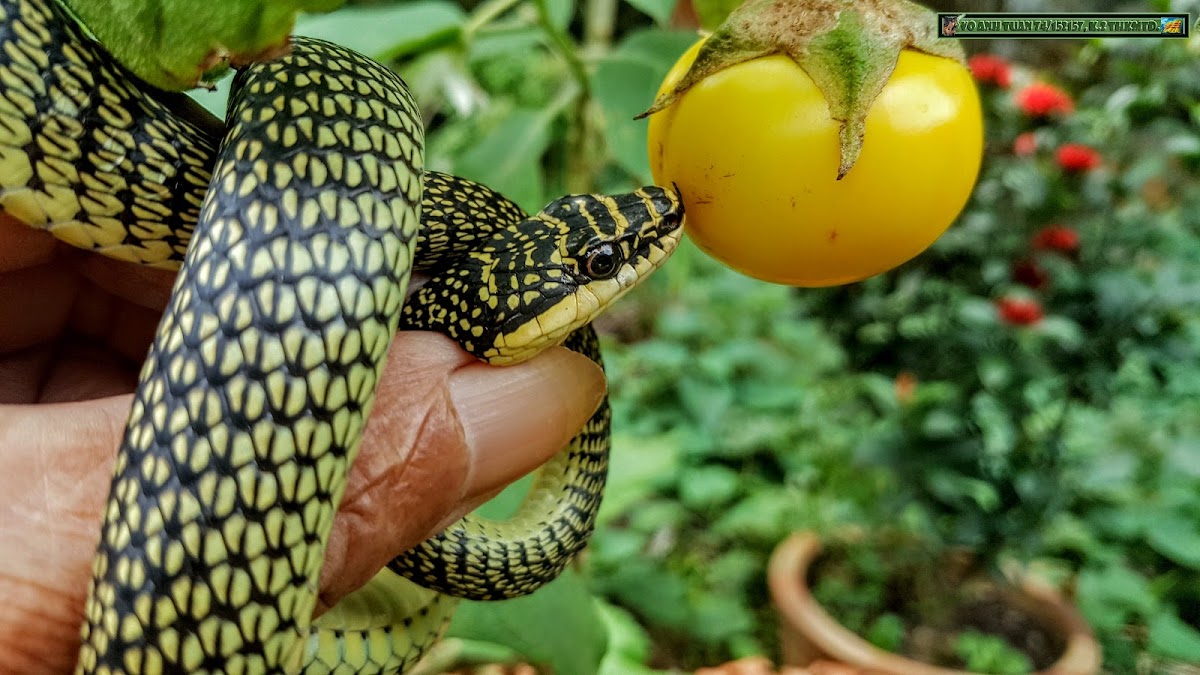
x,y
294,232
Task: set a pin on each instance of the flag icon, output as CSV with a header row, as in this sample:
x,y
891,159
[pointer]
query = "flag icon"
x,y
1170,25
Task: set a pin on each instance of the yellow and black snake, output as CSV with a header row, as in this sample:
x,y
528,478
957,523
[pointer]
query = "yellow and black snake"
x,y
295,226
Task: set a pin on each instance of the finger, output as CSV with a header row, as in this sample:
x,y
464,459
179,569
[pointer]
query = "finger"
x,y
125,327
46,318
55,468
35,303
143,286
84,371
442,439
22,373
72,368
22,246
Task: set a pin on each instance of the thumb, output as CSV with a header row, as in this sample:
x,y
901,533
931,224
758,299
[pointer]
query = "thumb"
x,y
447,432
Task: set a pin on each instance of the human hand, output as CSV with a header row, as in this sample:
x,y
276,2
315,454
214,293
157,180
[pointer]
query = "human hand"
x,y
447,432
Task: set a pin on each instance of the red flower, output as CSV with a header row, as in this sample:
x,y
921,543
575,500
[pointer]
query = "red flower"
x,y
1056,238
990,69
1020,311
1029,273
1025,145
1077,157
1042,100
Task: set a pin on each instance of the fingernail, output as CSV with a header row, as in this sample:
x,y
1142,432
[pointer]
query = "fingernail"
x,y
516,417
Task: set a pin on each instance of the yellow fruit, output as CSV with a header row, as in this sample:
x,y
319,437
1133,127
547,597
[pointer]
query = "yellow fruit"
x,y
755,154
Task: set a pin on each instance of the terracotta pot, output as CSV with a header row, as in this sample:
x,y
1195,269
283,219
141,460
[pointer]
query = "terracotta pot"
x,y
808,633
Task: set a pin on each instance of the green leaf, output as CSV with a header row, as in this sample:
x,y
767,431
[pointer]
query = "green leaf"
x,y
628,644
763,516
1171,637
389,31
987,653
886,632
1067,333
717,618
558,626
454,653
495,45
506,503
705,401
659,10
612,546
442,82
953,488
561,12
652,591
1177,539
941,423
736,569
1110,474
621,88
657,515
508,159
708,486
171,43
637,466
624,83
714,12
1106,597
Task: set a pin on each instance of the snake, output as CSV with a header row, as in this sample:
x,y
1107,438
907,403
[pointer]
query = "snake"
x,y
295,225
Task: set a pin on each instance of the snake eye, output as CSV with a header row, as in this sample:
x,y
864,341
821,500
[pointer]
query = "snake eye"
x,y
603,261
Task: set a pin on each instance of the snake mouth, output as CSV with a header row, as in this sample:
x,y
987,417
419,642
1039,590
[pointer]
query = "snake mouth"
x,y
660,235
652,246
667,207
670,233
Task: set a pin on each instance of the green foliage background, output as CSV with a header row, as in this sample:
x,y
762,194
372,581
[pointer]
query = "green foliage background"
x,y
745,411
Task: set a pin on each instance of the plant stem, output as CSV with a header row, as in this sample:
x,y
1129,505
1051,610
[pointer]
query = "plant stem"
x,y
508,27
563,44
599,18
580,160
570,93
585,146
484,14
579,174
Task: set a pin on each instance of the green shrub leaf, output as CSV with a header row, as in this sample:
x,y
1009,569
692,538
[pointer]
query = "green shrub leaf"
x,y
173,43
388,32
1171,637
558,627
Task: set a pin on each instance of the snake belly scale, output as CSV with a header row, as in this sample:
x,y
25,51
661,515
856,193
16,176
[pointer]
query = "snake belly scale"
x,y
295,226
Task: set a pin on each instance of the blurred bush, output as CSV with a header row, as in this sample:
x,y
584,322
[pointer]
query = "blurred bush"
x,y
1028,387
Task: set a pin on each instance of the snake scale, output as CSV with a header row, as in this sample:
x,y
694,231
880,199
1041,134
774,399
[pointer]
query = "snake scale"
x,y
295,225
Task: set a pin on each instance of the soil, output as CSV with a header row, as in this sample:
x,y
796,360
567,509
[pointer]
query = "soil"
x,y
993,616
936,598
1017,627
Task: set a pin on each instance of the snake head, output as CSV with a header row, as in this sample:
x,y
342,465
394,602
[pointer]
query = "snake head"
x,y
530,285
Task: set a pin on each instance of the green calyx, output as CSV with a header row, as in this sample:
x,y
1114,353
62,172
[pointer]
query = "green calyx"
x,y
848,47
176,44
